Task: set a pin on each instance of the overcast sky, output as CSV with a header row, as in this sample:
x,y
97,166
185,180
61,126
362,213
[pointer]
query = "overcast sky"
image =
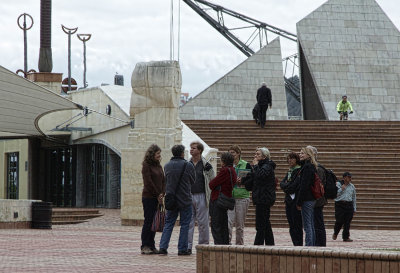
x,y
125,32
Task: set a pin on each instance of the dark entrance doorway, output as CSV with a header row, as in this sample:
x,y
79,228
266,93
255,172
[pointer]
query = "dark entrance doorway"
x,y
60,179
82,176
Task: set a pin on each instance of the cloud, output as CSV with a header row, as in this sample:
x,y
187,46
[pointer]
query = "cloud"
x,y
125,32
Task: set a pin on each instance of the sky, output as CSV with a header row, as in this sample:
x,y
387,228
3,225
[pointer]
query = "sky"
x,y
126,32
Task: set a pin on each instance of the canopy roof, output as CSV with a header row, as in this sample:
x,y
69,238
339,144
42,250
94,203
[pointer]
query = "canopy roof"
x,y
23,103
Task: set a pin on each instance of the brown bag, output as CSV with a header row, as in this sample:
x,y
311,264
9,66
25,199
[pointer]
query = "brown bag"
x,y
158,220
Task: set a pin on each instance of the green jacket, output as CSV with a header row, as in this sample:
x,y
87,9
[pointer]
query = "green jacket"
x,y
344,107
240,193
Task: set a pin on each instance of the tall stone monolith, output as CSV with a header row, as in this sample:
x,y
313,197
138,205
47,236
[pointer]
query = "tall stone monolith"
x,y
156,88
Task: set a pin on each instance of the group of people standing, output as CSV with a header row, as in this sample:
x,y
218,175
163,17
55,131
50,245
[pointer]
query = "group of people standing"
x,y
303,211
196,190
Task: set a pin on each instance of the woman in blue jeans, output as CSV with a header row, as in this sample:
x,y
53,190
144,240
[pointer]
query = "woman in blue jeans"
x,y
305,201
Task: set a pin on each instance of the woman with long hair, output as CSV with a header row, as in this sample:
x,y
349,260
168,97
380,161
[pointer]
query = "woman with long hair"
x,y
152,194
306,201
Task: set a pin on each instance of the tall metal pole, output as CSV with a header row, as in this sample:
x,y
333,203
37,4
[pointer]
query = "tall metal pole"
x,y
25,28
25,49
84,38
69,31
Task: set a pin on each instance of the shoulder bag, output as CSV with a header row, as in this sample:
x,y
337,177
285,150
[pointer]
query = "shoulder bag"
x,y
158,220
223,201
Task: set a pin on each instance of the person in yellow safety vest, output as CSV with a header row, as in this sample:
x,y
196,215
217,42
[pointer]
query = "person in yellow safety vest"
x,y
344,107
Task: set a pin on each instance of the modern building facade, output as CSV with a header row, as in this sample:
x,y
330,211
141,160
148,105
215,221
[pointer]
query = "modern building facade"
x,y
71,158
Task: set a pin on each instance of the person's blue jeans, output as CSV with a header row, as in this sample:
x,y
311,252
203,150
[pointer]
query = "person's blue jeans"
x,y
307,213
170,219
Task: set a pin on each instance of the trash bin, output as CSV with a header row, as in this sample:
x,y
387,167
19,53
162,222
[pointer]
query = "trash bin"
x,y
41,215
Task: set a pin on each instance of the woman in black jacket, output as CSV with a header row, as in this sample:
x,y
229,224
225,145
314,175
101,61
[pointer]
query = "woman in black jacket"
x,y
262,182
306,201
290,185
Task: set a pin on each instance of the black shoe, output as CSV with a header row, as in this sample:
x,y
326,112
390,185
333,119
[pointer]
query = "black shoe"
x,y
189,251
184,252
163,251
154,250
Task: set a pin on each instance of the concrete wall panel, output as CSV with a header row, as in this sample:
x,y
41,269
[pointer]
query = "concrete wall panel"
x,y
234,95
351,47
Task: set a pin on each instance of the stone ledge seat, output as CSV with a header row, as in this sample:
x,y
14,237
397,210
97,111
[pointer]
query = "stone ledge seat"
x,y
256,259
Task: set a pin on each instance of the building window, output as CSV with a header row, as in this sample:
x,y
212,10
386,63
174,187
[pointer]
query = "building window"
x,y
12,175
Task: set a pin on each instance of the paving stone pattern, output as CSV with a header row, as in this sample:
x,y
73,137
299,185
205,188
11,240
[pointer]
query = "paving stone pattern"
x,y
103,245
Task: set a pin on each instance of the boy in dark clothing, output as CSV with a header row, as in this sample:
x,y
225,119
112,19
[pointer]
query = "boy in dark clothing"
x,y
264,98
345,207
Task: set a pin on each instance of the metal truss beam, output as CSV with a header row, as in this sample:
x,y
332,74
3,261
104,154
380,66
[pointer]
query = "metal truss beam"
x,y
226,32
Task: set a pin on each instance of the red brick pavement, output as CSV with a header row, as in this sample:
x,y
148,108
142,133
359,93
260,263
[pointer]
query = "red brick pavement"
x,y
103,245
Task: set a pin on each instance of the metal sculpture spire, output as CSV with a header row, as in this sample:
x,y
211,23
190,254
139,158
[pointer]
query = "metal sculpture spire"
x,y
45,54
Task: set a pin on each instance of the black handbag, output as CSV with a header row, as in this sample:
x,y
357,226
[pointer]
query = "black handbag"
x,y
223,201
170,198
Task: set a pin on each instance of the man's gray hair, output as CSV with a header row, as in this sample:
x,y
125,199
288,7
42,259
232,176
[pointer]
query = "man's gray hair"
x,y
265,152
264,84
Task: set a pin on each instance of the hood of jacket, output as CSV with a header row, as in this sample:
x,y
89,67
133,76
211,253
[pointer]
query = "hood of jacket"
x,y
267,161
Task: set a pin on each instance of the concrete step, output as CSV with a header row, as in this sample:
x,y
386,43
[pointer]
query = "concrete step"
x,y
66,216
74,211
68,222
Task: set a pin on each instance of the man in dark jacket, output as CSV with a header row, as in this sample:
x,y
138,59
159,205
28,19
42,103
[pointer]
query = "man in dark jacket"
x,y
264,98
179,176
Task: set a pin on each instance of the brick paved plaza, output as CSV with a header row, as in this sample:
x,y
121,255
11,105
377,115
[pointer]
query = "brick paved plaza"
x,y
103,245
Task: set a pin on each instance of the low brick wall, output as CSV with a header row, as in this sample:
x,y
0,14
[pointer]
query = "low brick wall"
x,y
15,213
253,259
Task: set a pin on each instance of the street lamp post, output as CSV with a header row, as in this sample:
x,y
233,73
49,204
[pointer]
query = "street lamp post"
x,y
84,38
25,28
69,32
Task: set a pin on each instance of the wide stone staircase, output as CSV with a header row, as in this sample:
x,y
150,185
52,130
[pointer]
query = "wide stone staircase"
x,y
370,150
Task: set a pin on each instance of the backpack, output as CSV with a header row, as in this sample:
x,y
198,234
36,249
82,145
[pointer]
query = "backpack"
x,y
317,188
330,184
